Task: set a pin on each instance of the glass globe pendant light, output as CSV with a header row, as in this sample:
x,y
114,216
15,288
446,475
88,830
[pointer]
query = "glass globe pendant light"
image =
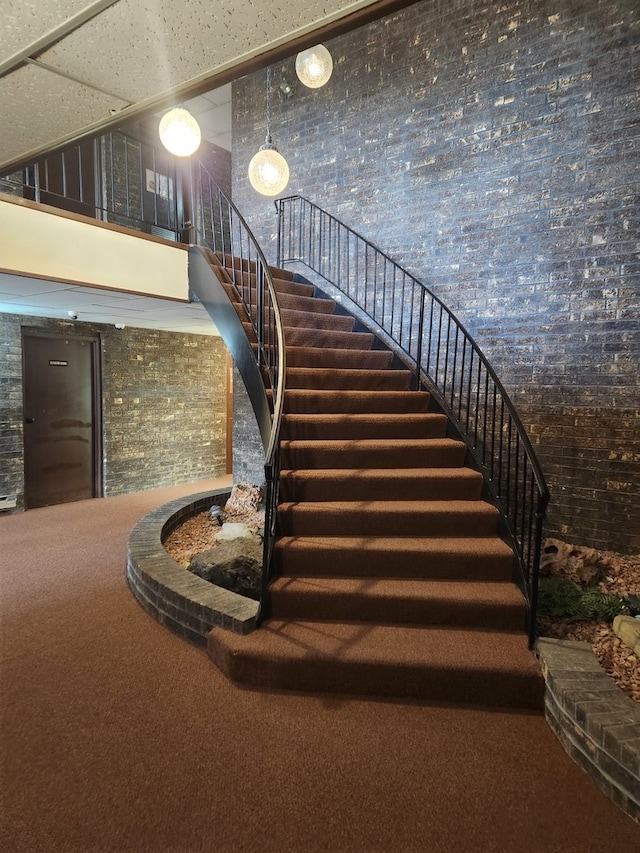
x,y
268,170
314,66
180,132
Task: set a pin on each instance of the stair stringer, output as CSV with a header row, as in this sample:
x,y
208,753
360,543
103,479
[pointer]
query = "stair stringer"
x,y
205,281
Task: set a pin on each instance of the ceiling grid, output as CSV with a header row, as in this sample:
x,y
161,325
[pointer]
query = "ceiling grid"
x,y
69,68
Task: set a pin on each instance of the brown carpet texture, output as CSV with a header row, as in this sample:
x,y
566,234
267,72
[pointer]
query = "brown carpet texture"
x,y
116,735
392,580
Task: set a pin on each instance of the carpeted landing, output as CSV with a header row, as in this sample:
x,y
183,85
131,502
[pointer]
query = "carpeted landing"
x,y
117,736
391,579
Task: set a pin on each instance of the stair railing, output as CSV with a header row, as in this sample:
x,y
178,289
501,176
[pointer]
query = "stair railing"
x,y
444,359
234,253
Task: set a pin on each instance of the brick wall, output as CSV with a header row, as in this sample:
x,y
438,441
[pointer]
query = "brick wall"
x,y
164,405
493,151
248,452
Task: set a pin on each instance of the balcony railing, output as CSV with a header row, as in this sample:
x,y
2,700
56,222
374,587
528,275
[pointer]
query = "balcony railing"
x,y
114,178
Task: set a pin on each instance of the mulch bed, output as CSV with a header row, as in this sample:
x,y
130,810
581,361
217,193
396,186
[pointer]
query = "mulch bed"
x,y
610,572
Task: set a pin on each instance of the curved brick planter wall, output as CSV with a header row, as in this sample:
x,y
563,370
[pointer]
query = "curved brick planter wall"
x,y
598,724
187,604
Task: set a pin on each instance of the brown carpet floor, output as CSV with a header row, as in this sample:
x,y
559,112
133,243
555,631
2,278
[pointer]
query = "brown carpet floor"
x,y
119,736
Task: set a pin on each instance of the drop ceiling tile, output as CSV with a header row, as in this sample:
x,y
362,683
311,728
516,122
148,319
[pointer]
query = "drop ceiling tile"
x,y
219,96
21,286
26,21
215,120
223,140
140,48
50,108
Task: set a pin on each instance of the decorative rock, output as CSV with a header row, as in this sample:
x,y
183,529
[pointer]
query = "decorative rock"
x,y
581,565
628,629
244,496
233,564
233,530
243,505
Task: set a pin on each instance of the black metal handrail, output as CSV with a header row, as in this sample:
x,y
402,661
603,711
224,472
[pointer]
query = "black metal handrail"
x,y
239,261
444,358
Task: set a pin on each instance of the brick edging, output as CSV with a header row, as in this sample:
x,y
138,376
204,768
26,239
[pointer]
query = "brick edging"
x,y
182,601
598,724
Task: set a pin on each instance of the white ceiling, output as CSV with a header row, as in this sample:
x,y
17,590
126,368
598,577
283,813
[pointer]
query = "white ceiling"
x,y
69,67
41,298
213,111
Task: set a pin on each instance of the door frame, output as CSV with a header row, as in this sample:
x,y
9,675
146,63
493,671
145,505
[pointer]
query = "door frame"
x,y
97,436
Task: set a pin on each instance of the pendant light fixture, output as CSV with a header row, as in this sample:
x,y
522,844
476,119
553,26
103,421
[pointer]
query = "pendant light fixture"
x,y
314,66
180,132
268,170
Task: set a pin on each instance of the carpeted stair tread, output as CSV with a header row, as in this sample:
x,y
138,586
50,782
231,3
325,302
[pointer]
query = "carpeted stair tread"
x,y
445,557
428,663
373,453
359,484
309,320
347,379
330,338
325,338
347,427
328,357
387,518
314,401
291,301
234,262
474,604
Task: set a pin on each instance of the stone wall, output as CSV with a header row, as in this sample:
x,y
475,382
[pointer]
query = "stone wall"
x,y
493,151
163,402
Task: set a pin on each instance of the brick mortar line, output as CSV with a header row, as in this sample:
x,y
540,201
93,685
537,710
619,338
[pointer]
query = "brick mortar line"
x,y
576,684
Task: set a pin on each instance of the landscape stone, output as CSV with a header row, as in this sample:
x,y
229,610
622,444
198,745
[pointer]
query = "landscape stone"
x,y
233,530
234,564
628,629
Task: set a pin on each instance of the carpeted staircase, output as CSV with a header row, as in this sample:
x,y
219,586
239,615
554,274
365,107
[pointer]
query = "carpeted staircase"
x,y
391,579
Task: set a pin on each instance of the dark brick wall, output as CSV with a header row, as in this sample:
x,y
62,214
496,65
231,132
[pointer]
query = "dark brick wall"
x,y
248,452
493,151
165,395
164,404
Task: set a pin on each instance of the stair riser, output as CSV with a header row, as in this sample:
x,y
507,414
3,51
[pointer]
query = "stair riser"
x,y
321,338
383,457
288,604
296,489
314,357
360,522
248,284
313,379
294,302
291,292
308,320
357,430
358,403
468,686
447,566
